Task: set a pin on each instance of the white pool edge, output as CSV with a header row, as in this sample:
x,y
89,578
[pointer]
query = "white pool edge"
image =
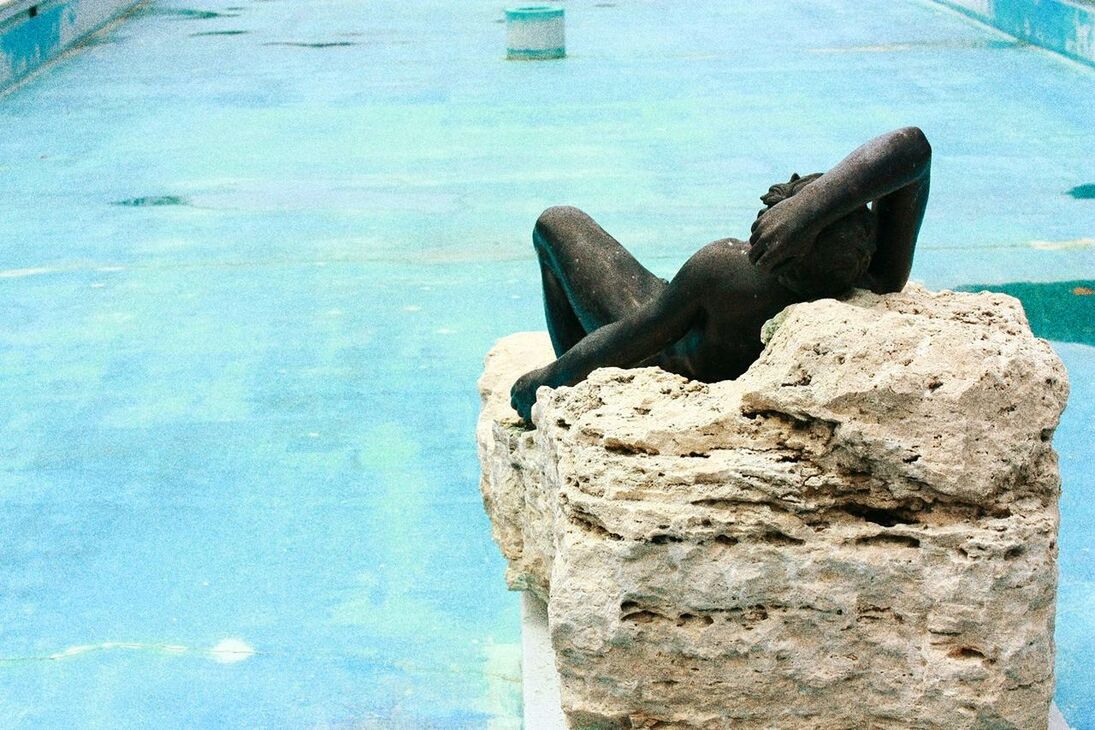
x,y
539,678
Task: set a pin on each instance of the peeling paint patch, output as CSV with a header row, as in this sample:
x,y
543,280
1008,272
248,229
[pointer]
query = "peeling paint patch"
x,y
220,32
1063,245
227,651
231,651
332,44
152,201
937,45
19,273
184,13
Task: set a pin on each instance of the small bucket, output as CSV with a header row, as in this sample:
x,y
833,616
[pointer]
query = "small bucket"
x,y
535,32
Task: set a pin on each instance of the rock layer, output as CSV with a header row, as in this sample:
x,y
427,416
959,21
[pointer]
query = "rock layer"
x,y
860,531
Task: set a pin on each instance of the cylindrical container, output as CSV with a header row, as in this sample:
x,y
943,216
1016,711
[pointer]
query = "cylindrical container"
x,y
535,32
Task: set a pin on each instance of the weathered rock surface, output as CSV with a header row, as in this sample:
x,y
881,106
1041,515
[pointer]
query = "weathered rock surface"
x,y
858,532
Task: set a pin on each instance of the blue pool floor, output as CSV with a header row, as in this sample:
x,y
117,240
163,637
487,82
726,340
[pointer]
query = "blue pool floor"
x,y
254,252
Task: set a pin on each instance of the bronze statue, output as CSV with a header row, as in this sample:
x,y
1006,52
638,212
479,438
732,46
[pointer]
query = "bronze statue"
x,y
815,238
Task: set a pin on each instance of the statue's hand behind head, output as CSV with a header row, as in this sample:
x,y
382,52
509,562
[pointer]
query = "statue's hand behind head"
x,y
781,234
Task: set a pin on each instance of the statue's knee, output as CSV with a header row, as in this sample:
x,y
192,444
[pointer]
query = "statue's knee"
x,y
553,220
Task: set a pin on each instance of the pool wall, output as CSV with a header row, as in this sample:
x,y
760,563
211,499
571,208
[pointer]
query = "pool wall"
x,y
1061,26
34,32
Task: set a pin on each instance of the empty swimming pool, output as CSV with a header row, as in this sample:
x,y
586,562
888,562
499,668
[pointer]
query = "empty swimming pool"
x,y
254,251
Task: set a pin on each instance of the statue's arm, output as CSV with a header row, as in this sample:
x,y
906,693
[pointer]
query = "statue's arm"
x,y
623,343
892,171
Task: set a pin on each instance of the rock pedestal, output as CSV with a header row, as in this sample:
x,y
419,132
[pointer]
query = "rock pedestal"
x,y
858,532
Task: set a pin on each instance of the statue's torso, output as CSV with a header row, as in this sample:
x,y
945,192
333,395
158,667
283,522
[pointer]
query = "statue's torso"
x,y
736,301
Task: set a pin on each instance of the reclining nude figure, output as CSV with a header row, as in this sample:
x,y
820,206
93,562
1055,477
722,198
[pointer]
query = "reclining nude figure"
x,y
818,236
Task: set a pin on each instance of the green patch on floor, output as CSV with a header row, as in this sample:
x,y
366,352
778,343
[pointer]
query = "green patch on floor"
x,y
1061,310
1083,192
151,201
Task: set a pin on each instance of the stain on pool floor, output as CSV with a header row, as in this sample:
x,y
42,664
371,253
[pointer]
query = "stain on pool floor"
x,y
1083,192
152,200
239,482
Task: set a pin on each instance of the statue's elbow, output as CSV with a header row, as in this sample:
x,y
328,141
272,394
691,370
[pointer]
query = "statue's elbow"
x,y
915,142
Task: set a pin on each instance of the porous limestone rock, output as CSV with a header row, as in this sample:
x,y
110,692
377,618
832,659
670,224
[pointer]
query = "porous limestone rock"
x,y
858,532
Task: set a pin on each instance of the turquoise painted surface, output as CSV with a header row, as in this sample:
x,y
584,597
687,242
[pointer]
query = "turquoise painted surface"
x,y
1063,26
535,53
1076,589
533,13
37,34
253,255
26,44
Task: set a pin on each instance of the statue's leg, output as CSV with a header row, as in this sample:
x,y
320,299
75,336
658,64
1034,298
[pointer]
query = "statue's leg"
x,y
589,279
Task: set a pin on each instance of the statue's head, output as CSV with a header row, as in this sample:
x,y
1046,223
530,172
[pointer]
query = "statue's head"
x,y
841,253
